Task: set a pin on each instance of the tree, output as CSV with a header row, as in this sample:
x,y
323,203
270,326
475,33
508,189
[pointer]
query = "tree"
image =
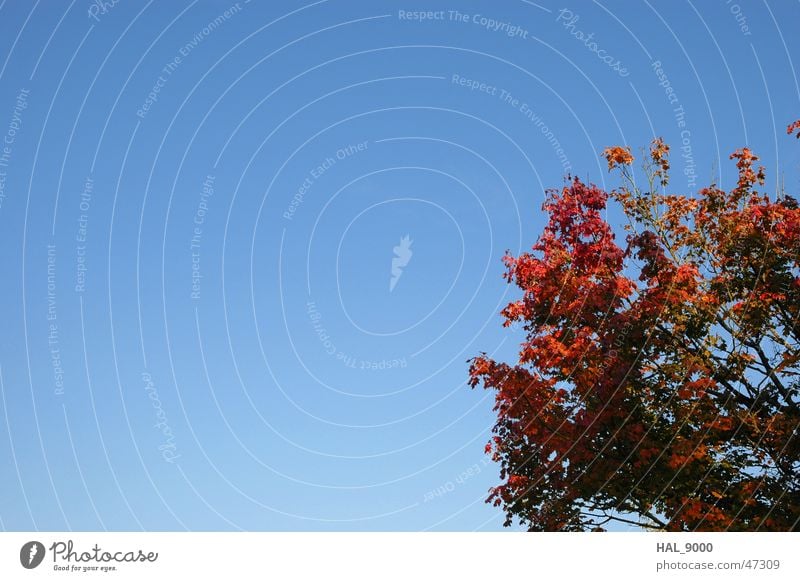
x,y
658,380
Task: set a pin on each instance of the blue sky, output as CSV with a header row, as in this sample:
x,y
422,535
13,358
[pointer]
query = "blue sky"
x,y
199,208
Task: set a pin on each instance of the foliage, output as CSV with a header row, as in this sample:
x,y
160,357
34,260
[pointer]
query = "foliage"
x,y
658,382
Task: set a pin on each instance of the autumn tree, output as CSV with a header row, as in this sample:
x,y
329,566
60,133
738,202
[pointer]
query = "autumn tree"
x,y
658,380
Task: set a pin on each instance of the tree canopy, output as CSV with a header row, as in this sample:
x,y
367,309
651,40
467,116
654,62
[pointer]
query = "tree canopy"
x,y
659,379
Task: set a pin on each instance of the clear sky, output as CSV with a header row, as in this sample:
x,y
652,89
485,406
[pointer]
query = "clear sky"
x,y
248,247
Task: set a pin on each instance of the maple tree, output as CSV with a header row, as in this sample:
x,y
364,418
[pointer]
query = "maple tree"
x,y
658,382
